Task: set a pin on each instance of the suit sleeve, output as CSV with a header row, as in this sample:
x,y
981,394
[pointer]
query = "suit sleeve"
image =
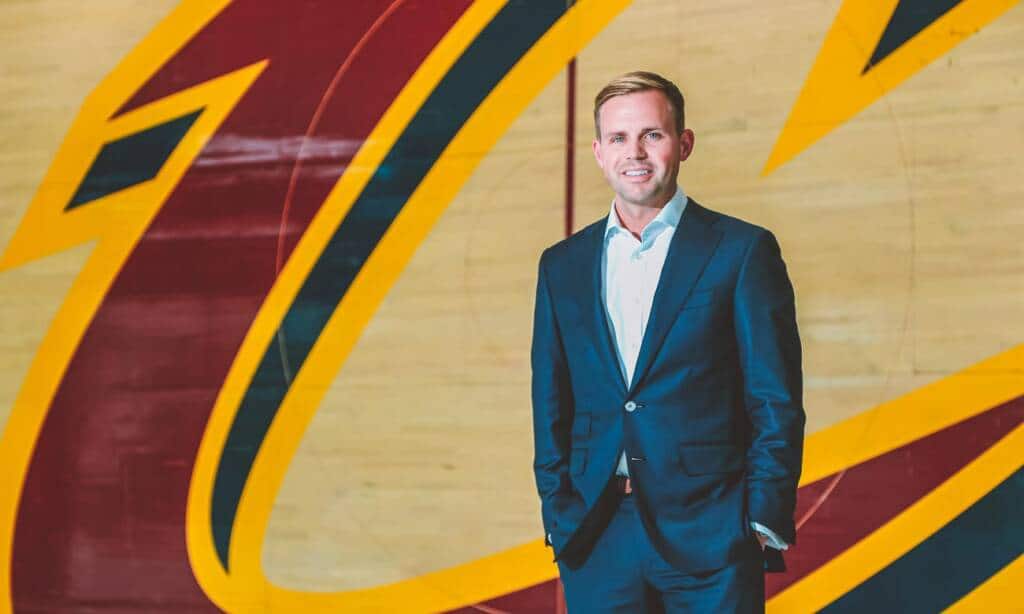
x,y
552,414
769,347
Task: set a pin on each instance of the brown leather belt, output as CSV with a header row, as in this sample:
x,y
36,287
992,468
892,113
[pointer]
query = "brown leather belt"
x,y
623,485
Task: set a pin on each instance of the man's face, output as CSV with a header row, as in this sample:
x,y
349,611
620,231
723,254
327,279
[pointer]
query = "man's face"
x,y
639,150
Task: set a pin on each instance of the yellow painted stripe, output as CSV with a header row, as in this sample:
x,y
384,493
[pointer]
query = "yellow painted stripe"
x,y
246,589
908,529
117,221
914,415
1003,592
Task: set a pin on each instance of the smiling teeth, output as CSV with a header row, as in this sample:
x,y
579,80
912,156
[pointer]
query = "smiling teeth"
x,y
636,173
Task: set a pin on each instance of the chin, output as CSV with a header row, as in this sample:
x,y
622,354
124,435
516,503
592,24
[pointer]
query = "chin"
x,y
645,197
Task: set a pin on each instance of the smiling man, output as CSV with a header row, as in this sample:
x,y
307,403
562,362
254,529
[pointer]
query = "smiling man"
x,y
667,387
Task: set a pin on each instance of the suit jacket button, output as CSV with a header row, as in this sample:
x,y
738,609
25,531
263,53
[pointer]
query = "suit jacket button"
x,y
630,406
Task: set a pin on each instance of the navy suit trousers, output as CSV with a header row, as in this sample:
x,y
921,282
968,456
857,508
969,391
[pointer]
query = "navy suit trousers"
x,y
625,573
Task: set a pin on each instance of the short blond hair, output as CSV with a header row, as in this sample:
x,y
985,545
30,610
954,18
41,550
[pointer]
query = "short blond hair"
x,y
641,81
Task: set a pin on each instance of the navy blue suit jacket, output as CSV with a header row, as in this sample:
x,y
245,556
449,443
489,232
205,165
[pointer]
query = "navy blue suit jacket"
x,y
715,439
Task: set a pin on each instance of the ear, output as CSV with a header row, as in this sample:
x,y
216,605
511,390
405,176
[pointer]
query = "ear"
x,y
686,141
597,153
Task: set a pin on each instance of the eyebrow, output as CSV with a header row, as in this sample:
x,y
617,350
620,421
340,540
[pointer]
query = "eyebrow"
x,y
642,131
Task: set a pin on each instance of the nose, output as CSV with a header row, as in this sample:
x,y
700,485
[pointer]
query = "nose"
x,y
637,151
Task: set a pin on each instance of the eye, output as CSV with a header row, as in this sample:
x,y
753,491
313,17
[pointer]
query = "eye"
x,y
616,139
653,136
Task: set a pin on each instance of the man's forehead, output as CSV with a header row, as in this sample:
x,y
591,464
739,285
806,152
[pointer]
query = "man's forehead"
x,y
636,104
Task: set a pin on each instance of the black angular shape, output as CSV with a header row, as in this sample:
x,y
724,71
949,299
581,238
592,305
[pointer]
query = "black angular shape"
x,y
909,18
131,160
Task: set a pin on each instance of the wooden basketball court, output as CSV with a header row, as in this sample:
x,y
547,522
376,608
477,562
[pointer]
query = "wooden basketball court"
x,y
269,278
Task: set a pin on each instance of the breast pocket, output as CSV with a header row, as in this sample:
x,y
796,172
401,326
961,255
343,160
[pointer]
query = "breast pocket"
x,y
702,297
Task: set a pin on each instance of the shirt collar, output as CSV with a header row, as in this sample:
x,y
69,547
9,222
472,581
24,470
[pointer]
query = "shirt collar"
x,y
668,217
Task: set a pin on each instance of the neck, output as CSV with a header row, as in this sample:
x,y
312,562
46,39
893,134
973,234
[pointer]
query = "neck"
x,y
636,217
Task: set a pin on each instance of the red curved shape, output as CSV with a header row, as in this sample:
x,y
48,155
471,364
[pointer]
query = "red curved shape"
x,y
102,511
314,123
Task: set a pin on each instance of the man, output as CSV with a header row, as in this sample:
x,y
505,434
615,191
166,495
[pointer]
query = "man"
x,y
667,387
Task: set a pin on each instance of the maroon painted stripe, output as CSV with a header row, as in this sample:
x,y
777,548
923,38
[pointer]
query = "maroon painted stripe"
x,y
874,492
544,597
102,513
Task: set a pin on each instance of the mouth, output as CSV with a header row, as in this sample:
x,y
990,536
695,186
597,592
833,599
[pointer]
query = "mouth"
x,y
637,172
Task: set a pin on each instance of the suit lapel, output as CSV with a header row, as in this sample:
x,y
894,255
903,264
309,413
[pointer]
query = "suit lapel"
x,y
591,307
689,252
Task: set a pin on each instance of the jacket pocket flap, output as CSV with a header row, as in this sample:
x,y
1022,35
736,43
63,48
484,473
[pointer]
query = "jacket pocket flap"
x,y
700,298
702,459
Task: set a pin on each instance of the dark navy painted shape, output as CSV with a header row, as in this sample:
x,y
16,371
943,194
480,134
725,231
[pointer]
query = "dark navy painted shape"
x,y
949,564
132,159
909,18
485,62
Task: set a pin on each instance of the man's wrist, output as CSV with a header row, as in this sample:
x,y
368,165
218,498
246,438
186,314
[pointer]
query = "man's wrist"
x,y
767,537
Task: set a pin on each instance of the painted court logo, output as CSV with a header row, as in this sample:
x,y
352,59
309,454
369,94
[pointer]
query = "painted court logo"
x,y
248,219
